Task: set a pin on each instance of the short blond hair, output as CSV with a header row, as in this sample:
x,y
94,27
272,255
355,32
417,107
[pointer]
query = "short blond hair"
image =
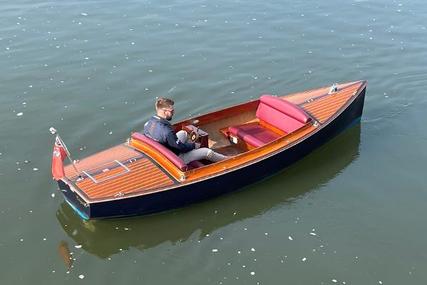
x,y
162,103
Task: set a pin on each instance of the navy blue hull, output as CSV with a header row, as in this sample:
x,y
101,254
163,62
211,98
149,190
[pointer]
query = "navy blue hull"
x,y
205,189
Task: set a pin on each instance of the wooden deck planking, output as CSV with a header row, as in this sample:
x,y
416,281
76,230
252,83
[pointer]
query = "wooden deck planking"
x,y
302,97
103,175
144,175
325,107
120,152
134,177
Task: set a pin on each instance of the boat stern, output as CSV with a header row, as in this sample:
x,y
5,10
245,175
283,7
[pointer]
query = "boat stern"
x,y
74,200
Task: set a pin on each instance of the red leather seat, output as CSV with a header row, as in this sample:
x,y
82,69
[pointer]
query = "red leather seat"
x,y
276,112
254,134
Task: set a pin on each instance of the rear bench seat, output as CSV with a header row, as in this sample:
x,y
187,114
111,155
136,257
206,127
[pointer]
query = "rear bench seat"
x,y
172,157
276,112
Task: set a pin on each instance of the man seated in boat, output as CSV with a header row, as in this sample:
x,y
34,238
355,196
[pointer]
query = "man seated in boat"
x,y
160,129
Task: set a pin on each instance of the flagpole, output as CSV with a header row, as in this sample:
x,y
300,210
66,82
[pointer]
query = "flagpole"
x,y
61,142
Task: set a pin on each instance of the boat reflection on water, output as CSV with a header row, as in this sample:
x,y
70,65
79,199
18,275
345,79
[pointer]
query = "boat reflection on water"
x,y
65,253
104,238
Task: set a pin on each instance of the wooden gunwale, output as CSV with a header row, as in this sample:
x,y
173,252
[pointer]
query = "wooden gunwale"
x,y
250,157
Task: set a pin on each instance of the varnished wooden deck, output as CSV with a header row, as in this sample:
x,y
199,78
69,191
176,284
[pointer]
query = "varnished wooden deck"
x,y
91,163
325,107
321,105
143,176
113,180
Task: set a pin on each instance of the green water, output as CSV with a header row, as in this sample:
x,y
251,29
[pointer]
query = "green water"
x,y
353,212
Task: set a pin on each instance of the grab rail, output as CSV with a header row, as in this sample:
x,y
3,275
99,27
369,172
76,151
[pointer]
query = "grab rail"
x,y
126,170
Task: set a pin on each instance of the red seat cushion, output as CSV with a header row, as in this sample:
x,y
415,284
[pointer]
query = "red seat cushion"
x,y
285,107
254,134
281,114
176,160
276,112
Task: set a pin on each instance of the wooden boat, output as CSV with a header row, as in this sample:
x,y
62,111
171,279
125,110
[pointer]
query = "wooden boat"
x,y
261,137
102,239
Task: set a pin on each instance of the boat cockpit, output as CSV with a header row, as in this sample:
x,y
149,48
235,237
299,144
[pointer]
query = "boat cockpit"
x,y
232,131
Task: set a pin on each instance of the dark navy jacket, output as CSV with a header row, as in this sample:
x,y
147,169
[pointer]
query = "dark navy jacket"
x,y
162,131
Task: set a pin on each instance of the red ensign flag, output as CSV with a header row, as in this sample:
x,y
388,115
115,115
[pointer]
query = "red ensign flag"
x,y
58,157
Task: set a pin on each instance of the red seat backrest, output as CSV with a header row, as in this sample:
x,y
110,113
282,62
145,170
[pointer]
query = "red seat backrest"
x,y
281,114
176,160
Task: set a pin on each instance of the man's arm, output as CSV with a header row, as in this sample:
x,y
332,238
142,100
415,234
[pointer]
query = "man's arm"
x,y
174,143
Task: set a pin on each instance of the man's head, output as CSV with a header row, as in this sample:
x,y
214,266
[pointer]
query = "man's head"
x,y
164,108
